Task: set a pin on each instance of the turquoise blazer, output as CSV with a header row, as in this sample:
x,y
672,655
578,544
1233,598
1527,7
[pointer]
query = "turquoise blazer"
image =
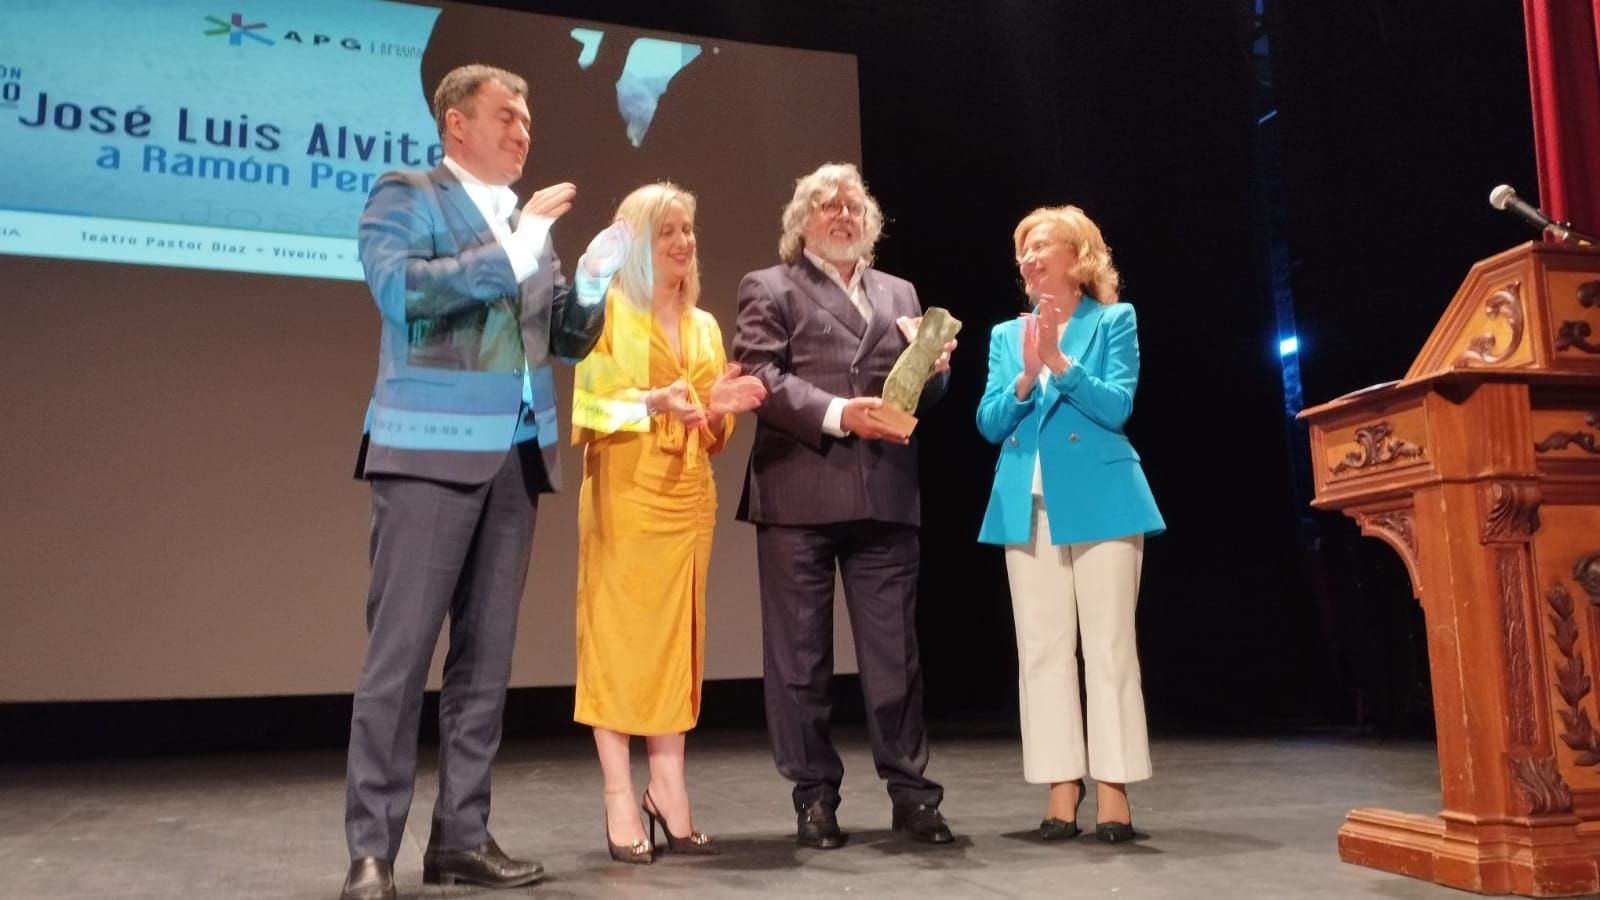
x,y
1094,486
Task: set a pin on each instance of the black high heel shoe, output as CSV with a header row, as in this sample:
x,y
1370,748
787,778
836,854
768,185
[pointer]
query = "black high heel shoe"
x,y
1053,829
696,844
640,853
1115,832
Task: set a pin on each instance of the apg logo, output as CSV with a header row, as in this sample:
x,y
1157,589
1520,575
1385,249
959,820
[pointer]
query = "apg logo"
x,y
237,30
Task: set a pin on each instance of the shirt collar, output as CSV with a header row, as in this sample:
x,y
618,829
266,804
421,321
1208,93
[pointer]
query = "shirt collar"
x,y
494,202
832,271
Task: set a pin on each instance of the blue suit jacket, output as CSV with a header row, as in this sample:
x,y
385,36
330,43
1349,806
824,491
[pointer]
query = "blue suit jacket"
x,y
1094,486
460,337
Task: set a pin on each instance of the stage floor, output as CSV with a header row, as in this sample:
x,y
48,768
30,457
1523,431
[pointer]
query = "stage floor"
x,y
1223,817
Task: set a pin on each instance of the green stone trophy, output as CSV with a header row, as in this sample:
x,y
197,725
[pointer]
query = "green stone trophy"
x,y
903,388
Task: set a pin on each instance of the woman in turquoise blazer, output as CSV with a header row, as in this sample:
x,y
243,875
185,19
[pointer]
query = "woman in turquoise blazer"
x,y
1071,506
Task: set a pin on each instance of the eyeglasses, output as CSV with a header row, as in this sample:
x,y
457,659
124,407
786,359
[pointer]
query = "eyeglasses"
x,y
855,209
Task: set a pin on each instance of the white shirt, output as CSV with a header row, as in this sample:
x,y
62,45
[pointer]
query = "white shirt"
x,y
858,299
852,289
523,248
496,203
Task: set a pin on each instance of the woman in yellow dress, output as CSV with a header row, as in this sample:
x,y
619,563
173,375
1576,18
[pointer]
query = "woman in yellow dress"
x,y
653,400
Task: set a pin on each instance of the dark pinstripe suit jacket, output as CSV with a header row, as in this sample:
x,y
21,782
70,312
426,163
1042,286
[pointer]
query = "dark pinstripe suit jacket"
x,y
798,332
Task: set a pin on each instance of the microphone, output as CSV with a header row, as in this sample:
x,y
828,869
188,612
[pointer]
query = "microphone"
x,y
1505,197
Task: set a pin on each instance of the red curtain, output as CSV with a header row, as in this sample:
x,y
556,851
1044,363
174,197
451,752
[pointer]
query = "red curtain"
x,y
1564,78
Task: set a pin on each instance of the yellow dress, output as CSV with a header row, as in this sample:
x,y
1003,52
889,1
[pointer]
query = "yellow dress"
x,y
646,510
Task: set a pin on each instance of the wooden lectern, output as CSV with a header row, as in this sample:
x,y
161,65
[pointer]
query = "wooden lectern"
x,y
1481,468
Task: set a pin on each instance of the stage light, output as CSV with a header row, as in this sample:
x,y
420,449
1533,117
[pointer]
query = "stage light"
x,y
1289,346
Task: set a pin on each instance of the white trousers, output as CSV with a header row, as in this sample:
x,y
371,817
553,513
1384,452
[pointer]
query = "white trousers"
x,y
1056,592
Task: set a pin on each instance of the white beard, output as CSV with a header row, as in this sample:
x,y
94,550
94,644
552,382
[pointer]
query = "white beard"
x,y
838,250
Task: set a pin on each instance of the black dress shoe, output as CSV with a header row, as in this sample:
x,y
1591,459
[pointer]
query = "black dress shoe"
x,y
370,878
817,827
486,865
1114,832
922,823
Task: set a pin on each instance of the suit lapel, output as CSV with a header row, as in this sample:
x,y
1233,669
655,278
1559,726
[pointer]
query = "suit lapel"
x,y
455,195
821,289
1085,319
882,309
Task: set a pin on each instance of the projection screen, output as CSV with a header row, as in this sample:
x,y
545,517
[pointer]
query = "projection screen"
x,y
193,346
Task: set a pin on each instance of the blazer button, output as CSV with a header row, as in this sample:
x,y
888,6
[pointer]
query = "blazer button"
x,y
1073,438
516,371
1013,440
854,370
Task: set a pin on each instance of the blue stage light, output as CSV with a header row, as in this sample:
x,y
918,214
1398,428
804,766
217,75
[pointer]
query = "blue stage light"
x,y
1289,346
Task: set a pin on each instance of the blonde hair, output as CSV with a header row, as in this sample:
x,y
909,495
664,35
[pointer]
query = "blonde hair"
x,y
644,210
807,190
1094,272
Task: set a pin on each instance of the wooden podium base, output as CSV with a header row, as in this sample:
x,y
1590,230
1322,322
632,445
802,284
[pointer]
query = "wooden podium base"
x,y
1547,859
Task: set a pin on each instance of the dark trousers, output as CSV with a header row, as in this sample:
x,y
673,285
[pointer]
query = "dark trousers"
x,y
878,563
437,550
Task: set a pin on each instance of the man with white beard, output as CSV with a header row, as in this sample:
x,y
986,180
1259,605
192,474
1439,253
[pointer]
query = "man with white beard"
x,y
831,487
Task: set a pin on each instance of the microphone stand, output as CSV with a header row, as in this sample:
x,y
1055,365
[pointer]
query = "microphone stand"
x,y
1564,233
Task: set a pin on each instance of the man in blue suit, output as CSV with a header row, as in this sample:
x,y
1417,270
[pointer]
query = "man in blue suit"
x,y
460,441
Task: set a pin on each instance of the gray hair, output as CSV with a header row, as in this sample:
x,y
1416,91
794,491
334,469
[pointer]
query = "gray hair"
x,y
808,189
462,82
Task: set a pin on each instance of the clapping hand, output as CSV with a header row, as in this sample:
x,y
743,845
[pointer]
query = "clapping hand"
x,y
1031,363
674,400
734,393
1041,343
607,251
552,202
1047,344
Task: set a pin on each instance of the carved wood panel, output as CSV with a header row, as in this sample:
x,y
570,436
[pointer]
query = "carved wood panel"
x,y
1573,334
1572,681
1376,445
1586,572
1511,575
1506,304
1587,441
1398,529
1543,791
1511,510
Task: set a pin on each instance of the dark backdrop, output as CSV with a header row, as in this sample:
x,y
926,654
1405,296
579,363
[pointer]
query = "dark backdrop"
x,y
1396,120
